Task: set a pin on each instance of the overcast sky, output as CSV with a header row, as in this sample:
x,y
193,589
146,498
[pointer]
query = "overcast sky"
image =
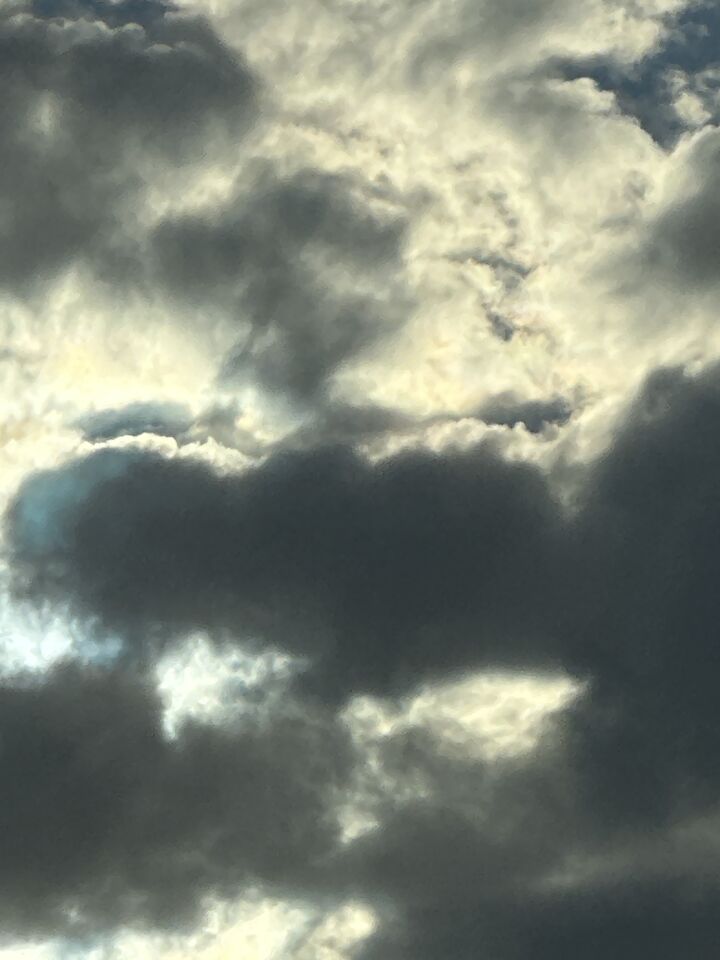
x,y
360,479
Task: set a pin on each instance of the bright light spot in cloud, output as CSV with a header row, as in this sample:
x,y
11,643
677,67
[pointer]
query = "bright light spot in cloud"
x,y
491,715
30,641
29,951
257,928
47,116
254,930
497,715
201,682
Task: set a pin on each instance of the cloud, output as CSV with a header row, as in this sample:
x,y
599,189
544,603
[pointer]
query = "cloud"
x,y
681,245
89,103
108,823
419,563
633,760
648,604
667,90
413,260
621,923
302,265
163,419
535,415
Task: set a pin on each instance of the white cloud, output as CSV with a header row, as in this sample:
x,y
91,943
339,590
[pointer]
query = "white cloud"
x,y
198,681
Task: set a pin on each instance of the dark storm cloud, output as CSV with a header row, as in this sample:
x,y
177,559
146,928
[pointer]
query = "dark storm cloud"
x,y
84,102
649,606
427,562
278,261
419,563
100,815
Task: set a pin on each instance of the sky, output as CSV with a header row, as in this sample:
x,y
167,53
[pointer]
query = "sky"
x,y
359,479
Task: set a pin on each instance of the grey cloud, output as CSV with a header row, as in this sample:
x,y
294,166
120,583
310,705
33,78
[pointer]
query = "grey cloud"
x,y
471,830
163,419
647,564
277,262
634,758
507,410
383,573
343,423
681,248
467,869
625,922
337,423
114,13
424,564
105,821
97,93
83,102
414,569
